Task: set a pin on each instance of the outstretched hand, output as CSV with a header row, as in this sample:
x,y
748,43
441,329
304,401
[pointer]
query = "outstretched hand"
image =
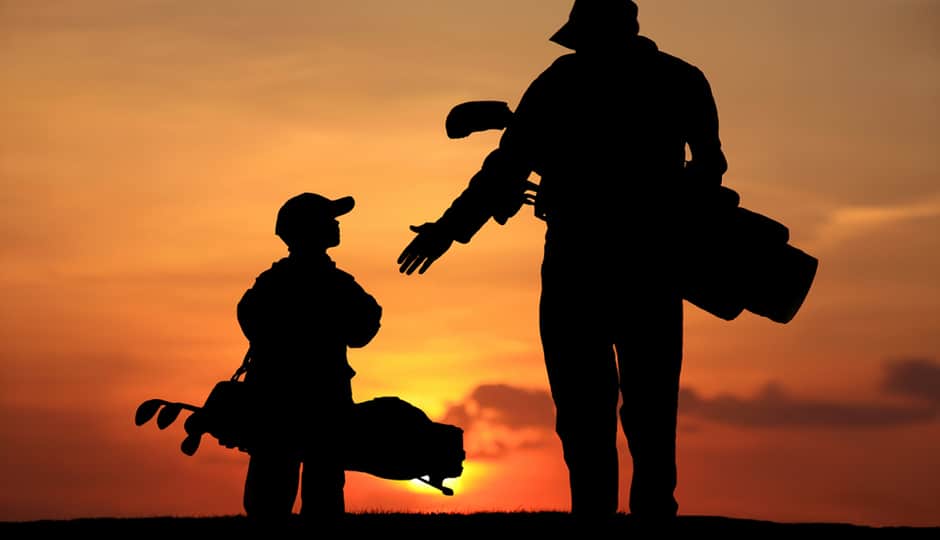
x,y
430,243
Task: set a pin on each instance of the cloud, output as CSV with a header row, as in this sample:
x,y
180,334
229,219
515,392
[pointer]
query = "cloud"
x,y
852,221
499,418
916,378
510,406
774,407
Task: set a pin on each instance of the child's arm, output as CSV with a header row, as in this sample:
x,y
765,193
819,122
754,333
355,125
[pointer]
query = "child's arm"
x,y
360,314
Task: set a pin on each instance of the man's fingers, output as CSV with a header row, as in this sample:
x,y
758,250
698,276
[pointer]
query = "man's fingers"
x,y
409,262
406,255
406,262
427,263
420,253
414,265
404,258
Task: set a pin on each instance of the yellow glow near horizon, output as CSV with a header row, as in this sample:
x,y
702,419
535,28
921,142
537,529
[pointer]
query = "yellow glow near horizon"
x,y
473,473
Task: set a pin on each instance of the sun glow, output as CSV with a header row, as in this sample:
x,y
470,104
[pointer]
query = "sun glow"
x,y
472,474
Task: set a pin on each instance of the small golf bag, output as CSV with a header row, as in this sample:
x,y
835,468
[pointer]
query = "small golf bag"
x,y
387,437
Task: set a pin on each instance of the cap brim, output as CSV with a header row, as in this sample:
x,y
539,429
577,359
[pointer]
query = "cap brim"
x,y
565,36
343,205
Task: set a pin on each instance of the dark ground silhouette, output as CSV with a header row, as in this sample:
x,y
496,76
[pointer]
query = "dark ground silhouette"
x,y
483,525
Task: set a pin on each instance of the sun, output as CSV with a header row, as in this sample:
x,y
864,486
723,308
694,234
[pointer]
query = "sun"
x,y
472,474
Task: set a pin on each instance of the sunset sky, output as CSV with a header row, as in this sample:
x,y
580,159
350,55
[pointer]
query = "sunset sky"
x,y
147,145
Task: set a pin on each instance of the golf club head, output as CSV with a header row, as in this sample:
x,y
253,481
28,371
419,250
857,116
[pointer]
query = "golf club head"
x,y
147,410
190,444
168,414
195,424
473,116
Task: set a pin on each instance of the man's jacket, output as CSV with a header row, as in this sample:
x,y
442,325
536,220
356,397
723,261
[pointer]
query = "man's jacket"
x,y
607,134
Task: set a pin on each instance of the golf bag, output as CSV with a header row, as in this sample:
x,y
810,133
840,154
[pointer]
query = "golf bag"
x,y
386,437
734,260
391,438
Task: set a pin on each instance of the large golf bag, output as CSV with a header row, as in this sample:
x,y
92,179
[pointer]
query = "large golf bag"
x,y
732,259
386,437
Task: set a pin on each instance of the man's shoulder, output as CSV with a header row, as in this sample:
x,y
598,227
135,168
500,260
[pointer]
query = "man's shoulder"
x,y
677,65
559,68
664,60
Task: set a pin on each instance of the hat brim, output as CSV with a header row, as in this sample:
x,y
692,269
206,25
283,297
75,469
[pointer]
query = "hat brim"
x,y
343,205
566,36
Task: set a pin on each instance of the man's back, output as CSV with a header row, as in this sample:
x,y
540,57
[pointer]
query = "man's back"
x,y
607,132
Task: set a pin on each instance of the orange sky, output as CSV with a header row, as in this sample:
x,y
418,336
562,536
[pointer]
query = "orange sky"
x,y
147,145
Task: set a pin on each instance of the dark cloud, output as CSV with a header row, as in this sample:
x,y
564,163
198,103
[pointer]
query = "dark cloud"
x,y
916,378
774,407
497,449
498,419
509,406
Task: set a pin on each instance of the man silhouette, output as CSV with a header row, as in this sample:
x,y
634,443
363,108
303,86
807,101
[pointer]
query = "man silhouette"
x,y
606,128
299,317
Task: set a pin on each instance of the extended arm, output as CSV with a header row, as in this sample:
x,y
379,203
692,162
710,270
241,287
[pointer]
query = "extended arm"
x,y
498,190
